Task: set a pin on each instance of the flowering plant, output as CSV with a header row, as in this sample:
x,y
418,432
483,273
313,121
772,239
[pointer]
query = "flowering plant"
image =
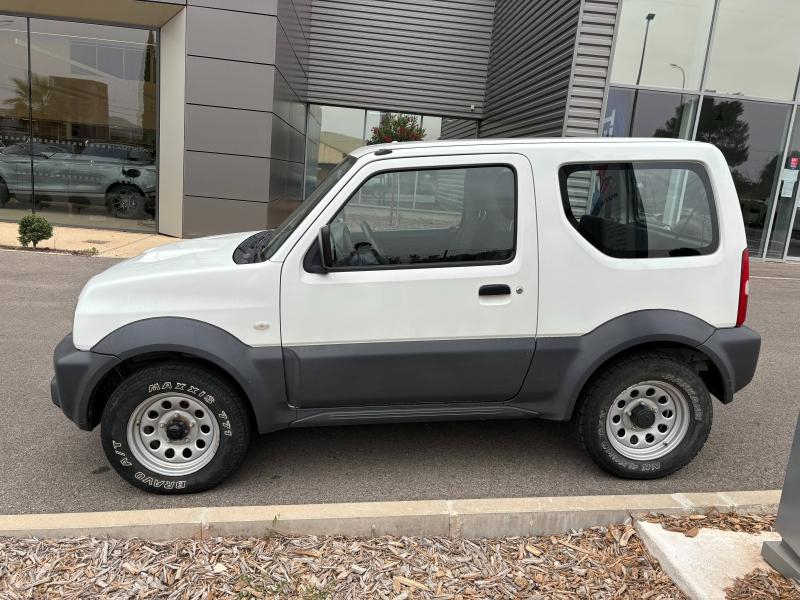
x,y
397,128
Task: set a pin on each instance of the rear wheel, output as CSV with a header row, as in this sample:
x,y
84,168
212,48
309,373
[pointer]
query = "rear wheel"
x,y
126,202
175,428
645,417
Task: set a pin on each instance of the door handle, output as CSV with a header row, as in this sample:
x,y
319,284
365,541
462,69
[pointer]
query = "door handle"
x,y
497,289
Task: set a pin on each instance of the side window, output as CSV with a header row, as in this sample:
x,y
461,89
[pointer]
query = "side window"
x,y
448,216
641,209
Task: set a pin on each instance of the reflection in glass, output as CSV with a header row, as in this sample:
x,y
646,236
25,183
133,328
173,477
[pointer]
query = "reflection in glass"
x,y
658,114
756,49
787,193
341,132
91,141
432,127
793,251
15,167
750,134
676,43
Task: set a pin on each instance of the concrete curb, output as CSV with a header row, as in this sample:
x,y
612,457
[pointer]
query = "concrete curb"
x,y
495,517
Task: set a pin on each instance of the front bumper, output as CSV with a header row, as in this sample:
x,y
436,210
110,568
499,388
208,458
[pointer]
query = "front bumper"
x,y
77,375
735,352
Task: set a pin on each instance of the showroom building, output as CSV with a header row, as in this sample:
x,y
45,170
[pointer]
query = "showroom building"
x,y
196,117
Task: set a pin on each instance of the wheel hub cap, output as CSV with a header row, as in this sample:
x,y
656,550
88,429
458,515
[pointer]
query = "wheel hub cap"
x,y
642,416
176,429
647,420
173,434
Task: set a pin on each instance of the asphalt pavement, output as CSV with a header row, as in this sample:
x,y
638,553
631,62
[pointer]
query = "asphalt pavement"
x,y
49,465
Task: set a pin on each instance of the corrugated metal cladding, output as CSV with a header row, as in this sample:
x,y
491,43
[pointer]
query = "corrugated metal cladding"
x,y
591,67
529,68
420,57
459,129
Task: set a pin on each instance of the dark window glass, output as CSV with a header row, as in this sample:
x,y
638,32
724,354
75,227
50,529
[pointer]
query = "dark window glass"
x,y
641,210
751,136
632,113
430,216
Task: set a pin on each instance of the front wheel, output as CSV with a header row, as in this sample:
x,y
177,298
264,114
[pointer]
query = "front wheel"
x,y
175,428
127,202
645,417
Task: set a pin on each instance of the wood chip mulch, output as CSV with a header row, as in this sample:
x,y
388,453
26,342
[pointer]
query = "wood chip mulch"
x,y
595,563
690,525
763,585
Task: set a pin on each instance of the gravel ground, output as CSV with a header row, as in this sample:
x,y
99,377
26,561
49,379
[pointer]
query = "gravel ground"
x,y
596,563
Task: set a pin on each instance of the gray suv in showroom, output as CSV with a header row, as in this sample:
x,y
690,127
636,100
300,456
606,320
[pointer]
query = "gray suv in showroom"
x,y
121,177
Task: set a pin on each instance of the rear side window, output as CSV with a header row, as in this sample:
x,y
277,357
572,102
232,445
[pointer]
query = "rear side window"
x,y
641,209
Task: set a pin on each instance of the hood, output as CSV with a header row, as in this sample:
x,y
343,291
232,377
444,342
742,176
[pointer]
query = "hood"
x,y
186,255
195,279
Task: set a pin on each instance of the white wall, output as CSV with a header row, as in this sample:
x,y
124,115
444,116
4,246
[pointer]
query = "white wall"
x,y
171,142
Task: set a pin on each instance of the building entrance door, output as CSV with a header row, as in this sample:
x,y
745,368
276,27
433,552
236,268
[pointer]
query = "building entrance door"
x,y
793,243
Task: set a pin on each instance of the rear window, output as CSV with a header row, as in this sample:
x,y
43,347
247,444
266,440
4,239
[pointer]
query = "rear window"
x,y
641,209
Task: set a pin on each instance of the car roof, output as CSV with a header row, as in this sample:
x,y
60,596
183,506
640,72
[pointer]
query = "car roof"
x,y
516,142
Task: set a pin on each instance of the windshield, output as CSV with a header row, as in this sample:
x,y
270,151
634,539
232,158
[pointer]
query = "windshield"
x,y
306,206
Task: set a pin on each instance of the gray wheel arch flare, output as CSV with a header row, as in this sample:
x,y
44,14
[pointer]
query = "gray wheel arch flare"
x,y
562,366
258,371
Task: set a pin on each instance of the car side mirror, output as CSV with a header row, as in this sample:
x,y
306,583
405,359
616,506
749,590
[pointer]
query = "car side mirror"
x,y
325,247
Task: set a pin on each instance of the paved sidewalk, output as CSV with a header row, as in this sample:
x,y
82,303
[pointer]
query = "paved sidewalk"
x,y
109,243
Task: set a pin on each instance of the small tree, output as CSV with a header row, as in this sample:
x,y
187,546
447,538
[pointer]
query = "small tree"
x,y
34,229
397,128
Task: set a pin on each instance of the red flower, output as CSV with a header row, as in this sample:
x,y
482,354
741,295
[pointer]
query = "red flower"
x,y
387,138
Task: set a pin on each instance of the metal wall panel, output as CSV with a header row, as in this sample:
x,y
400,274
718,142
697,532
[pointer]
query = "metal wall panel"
x,y
211,216
230,35
264,7
230,84
529,70
226,176
229,131
420,57
591,67
289,125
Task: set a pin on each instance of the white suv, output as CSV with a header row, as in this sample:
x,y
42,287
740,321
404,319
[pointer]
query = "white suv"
x,y
598,280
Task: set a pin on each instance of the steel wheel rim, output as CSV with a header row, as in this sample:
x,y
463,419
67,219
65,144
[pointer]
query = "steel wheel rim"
x,y
154,420
671,424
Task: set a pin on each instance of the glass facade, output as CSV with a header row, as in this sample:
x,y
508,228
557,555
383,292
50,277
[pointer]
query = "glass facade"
x,y
78,123
335,131
735,65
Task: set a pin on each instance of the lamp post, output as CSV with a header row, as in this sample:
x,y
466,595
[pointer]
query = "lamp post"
x,y
683,74
648,18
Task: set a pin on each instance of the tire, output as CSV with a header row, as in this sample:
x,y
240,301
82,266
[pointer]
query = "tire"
x,y
175,399
126,202
615,431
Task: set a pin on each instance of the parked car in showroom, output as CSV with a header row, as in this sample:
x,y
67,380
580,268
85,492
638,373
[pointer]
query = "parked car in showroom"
x,y
120,177
599,280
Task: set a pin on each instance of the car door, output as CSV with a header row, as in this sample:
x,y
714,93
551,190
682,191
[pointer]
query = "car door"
x,y
434,294
51,167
